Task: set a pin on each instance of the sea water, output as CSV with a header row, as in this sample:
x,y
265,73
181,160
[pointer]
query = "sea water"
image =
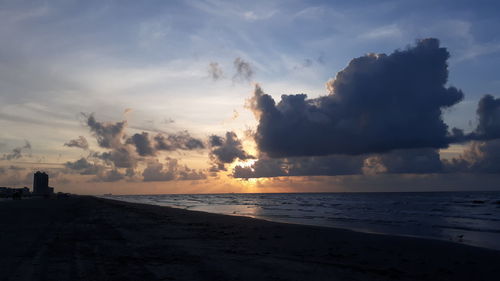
x,y
464,217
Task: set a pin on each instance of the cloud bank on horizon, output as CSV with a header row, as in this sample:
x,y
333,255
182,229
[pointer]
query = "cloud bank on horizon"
x,y
383,115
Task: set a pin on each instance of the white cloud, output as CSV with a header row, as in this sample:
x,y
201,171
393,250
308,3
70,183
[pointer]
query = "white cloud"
x,y
383,32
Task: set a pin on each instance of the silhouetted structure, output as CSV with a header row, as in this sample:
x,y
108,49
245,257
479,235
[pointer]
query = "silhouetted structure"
x,y
7,192
41,184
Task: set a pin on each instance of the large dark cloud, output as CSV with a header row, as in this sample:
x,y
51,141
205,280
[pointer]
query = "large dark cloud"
x,y
408,161
378,103
414,161
225,150
482,155
333,165
383,116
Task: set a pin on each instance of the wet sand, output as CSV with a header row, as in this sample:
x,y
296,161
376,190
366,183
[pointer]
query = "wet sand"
x,y
88,238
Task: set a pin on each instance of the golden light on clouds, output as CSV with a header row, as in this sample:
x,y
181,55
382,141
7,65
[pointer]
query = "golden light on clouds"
x,y
453,151
245,163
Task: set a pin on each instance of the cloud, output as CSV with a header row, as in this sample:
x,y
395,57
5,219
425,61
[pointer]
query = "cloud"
x,y
108,134
156,171
332,165
17,152
488,128
142,144
110,176
244,71
488,112
84,167
182,140
304,64
478,157
27,145
383,32
261,15
80,142
146,146
408,161
13,176
122,157
124,153
191,174
235,115
225,150
215,140
111,135
168,121
102,173
378,103
215,71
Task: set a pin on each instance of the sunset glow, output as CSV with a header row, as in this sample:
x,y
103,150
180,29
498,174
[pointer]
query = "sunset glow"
x,y
212,96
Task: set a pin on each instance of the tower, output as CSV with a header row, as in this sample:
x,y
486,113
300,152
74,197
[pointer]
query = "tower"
x,y
41,183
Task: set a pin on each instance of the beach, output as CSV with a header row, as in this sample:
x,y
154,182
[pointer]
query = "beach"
x,y
89,238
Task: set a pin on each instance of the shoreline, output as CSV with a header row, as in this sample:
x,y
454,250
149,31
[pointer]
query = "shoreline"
x,y
93,238
316,225
473,229
310,225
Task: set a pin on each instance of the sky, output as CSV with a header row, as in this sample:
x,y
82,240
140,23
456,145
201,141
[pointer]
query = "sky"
x,y
150,97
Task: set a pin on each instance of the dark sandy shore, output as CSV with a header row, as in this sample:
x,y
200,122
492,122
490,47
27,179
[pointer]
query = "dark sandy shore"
x,y
86,238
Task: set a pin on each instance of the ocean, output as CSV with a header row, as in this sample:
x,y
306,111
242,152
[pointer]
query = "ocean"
x,y
471,218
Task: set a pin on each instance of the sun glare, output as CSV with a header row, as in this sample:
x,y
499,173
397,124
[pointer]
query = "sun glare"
x,y
246,163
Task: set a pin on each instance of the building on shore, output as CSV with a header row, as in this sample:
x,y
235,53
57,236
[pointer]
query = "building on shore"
x,y
6,192
41,184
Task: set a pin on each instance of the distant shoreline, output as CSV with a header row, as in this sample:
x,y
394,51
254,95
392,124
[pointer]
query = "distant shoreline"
x,y
90,238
